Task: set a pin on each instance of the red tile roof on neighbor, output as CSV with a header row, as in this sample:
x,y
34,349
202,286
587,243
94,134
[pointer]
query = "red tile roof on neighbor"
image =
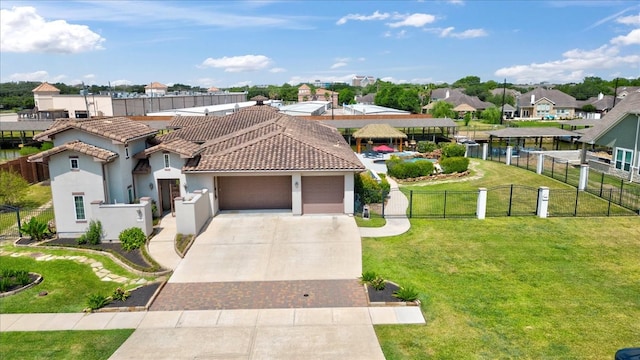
x,y
45,87
259,138
178,122
156,85
98,153
119,129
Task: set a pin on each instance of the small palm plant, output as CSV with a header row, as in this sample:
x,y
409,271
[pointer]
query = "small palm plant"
x,y
36,229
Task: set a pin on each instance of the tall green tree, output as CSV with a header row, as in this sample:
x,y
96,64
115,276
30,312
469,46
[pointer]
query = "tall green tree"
x,y
491,115
442,109
13,188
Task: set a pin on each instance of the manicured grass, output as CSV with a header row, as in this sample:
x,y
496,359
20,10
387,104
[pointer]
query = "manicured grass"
x,y
68,283
524,287
375,221
50,345
519,287
38,194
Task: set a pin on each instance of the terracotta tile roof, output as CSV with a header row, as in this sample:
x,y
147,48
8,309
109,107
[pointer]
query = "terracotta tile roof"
x,y
185,149
178,122
120,129
45,87
221,126
101,154
156,85
276,143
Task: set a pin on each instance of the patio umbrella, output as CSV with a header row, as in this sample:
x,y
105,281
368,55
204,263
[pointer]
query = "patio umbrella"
x,y
383,148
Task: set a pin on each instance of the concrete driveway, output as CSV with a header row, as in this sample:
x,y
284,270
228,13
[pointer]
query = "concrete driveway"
x,y
267,247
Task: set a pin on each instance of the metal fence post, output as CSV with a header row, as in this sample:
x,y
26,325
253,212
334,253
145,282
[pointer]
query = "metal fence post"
x,y
19,224
510,200
575,209
411,204
601,184
609,205
621,186
553,164
444,210
566,172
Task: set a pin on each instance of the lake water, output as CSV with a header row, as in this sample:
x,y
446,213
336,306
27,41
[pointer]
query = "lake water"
x,y
9,154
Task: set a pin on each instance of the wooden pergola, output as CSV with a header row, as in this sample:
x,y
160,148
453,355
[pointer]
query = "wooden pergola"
x,y
379,131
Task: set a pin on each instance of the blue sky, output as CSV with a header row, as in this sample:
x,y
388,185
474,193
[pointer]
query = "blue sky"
x,y
236,43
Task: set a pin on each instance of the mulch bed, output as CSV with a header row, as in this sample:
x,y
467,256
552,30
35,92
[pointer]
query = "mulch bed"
x,y
32,278
134,256
385,295
138,297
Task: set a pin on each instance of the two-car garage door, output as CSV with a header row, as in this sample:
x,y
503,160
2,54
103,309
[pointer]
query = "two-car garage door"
x,y
320,194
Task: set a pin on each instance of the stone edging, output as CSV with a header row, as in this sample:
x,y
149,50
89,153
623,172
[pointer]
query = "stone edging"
x,y
389,303
96,252
37,281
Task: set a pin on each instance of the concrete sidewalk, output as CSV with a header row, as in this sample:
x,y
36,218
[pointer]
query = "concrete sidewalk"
x,y
309,333
397,221
161,246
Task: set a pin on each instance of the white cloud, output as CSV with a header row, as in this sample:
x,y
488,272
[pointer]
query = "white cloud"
x,y
89,76
375,16
632,38
295,80
467,34
572,68
23,30
456,2
362,59
338,65
39,75
277,70
121,83
629,20
242,83
238,63
206,82
415,20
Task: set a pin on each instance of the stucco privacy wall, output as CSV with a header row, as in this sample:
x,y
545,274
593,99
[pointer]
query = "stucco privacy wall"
x,y
192,212
118,217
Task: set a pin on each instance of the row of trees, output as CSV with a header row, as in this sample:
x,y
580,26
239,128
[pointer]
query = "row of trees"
x,y
410,97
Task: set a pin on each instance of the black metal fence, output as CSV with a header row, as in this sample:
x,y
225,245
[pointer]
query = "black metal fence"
x,y
11,219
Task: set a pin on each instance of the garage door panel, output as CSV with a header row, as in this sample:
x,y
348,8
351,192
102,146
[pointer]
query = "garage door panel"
x,y
254,192
322,194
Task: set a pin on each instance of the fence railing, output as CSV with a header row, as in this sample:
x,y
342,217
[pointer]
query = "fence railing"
x,y
11,218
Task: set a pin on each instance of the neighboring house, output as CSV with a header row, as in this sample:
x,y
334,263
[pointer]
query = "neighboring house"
x,y
213,90
362,81
156,89
619,130
369,99
91,161
602,104
547,104
458,99
254,159
320,94
623,91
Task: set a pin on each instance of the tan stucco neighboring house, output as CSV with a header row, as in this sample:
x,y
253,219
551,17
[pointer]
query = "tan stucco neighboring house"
x,y
544,103
320,94
156,89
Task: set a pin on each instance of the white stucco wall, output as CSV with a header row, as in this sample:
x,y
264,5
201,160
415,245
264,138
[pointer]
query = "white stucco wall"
x,y
98,104
87,182
349,193
204,181
192,212
116,218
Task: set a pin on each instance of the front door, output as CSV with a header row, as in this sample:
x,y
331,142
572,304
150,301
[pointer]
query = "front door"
x,y
169,189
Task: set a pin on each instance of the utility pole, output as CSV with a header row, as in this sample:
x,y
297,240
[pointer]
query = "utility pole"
x,y
504,93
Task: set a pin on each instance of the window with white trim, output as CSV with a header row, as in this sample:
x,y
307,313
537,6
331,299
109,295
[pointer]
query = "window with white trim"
x,y
78,204
167,163
74,163
623,159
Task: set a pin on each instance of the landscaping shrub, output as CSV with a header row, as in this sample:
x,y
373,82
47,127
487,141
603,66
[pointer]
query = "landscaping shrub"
x,y
94,235
400,169
368,276
378,283
426,146
132,238
35,228
369,189
406,294
120,294
46,146
454,164
453,150
28,150
10,278
13,188
97,301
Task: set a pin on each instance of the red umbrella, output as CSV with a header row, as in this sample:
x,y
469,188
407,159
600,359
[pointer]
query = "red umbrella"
x,y
383,148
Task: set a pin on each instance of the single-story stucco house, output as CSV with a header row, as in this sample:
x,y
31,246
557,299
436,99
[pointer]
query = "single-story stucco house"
x,y
113,169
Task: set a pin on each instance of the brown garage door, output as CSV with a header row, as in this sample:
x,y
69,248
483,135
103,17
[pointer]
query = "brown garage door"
x,y
254,192
322,194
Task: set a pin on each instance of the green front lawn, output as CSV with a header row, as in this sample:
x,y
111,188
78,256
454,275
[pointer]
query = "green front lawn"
x,y
86,345
67,283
